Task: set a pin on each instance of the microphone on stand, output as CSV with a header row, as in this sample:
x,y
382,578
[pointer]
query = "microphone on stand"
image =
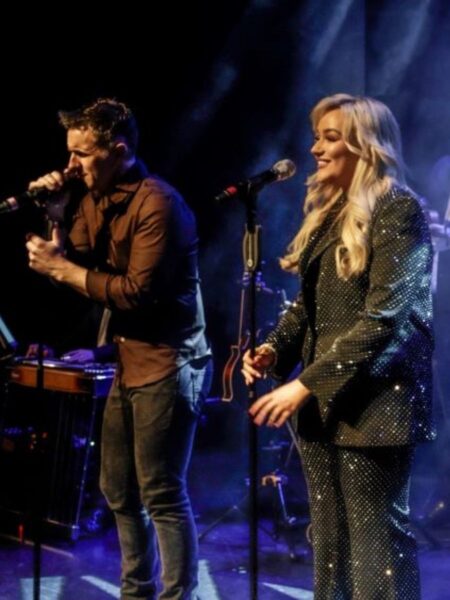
x,y
38,195
281,170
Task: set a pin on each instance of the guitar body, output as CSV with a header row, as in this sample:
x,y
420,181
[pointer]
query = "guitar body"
x,y
227,375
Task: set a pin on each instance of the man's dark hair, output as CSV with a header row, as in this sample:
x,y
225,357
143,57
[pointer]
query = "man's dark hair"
x,y
109,120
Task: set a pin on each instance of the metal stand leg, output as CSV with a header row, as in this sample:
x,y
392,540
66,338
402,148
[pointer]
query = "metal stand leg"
x,y
285,526
232,509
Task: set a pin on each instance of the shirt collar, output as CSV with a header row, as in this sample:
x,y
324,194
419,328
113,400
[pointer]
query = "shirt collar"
x,y
128,183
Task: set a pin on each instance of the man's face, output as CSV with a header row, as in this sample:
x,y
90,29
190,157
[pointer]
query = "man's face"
x,y
97,166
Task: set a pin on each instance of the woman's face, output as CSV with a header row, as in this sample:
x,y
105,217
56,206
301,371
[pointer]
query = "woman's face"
x,y
335,163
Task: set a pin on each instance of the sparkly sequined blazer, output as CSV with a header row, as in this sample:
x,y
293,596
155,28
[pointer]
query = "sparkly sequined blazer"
x,y
365,344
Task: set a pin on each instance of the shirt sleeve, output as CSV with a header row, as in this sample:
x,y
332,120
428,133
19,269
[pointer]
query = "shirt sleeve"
x,y
148,246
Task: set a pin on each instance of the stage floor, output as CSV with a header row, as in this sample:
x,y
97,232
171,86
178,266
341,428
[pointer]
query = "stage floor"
x,y
89,567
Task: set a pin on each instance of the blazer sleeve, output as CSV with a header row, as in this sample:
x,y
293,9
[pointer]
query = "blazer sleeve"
x,y
399,267
287,339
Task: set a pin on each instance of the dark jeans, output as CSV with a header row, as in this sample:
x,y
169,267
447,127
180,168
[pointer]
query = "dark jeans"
x,y
147,439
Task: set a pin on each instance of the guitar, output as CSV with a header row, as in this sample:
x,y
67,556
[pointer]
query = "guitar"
x,y
243,337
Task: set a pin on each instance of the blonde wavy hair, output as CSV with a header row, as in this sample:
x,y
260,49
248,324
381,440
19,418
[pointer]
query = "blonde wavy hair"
x,y
371,132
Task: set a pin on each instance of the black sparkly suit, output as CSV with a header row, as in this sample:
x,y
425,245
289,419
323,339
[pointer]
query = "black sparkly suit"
x,y
366,347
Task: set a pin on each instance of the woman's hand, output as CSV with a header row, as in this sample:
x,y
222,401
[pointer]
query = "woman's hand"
x,y
255,367
275,408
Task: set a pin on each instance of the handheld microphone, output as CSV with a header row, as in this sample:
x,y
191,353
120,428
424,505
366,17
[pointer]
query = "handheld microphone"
x,y
281,170
38,195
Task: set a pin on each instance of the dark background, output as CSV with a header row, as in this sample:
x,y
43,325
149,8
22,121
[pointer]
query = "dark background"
x,y
221,91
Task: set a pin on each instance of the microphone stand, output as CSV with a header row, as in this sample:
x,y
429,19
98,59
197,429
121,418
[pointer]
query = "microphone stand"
x,y
251,257
247,192
54,214
38,513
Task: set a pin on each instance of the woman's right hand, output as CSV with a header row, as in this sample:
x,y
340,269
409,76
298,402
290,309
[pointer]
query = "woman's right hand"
x,y
255,367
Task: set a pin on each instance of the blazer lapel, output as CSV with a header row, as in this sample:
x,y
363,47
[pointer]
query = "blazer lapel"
x,y
321,239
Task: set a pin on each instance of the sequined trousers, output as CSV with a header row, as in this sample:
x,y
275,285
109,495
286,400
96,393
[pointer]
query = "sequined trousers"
x,y
363,546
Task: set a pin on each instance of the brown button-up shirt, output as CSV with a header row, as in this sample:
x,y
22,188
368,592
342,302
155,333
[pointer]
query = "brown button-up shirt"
x,y
139,243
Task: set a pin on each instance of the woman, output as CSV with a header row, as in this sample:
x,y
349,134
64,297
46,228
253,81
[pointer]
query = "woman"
x,y
361,326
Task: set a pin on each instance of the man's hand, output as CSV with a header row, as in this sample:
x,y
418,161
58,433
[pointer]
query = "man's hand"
x,y
53,182
33,351
45,256
275,408
81,355
48,258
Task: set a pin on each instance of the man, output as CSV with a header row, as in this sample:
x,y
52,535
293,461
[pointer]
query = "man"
x,y
133,247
